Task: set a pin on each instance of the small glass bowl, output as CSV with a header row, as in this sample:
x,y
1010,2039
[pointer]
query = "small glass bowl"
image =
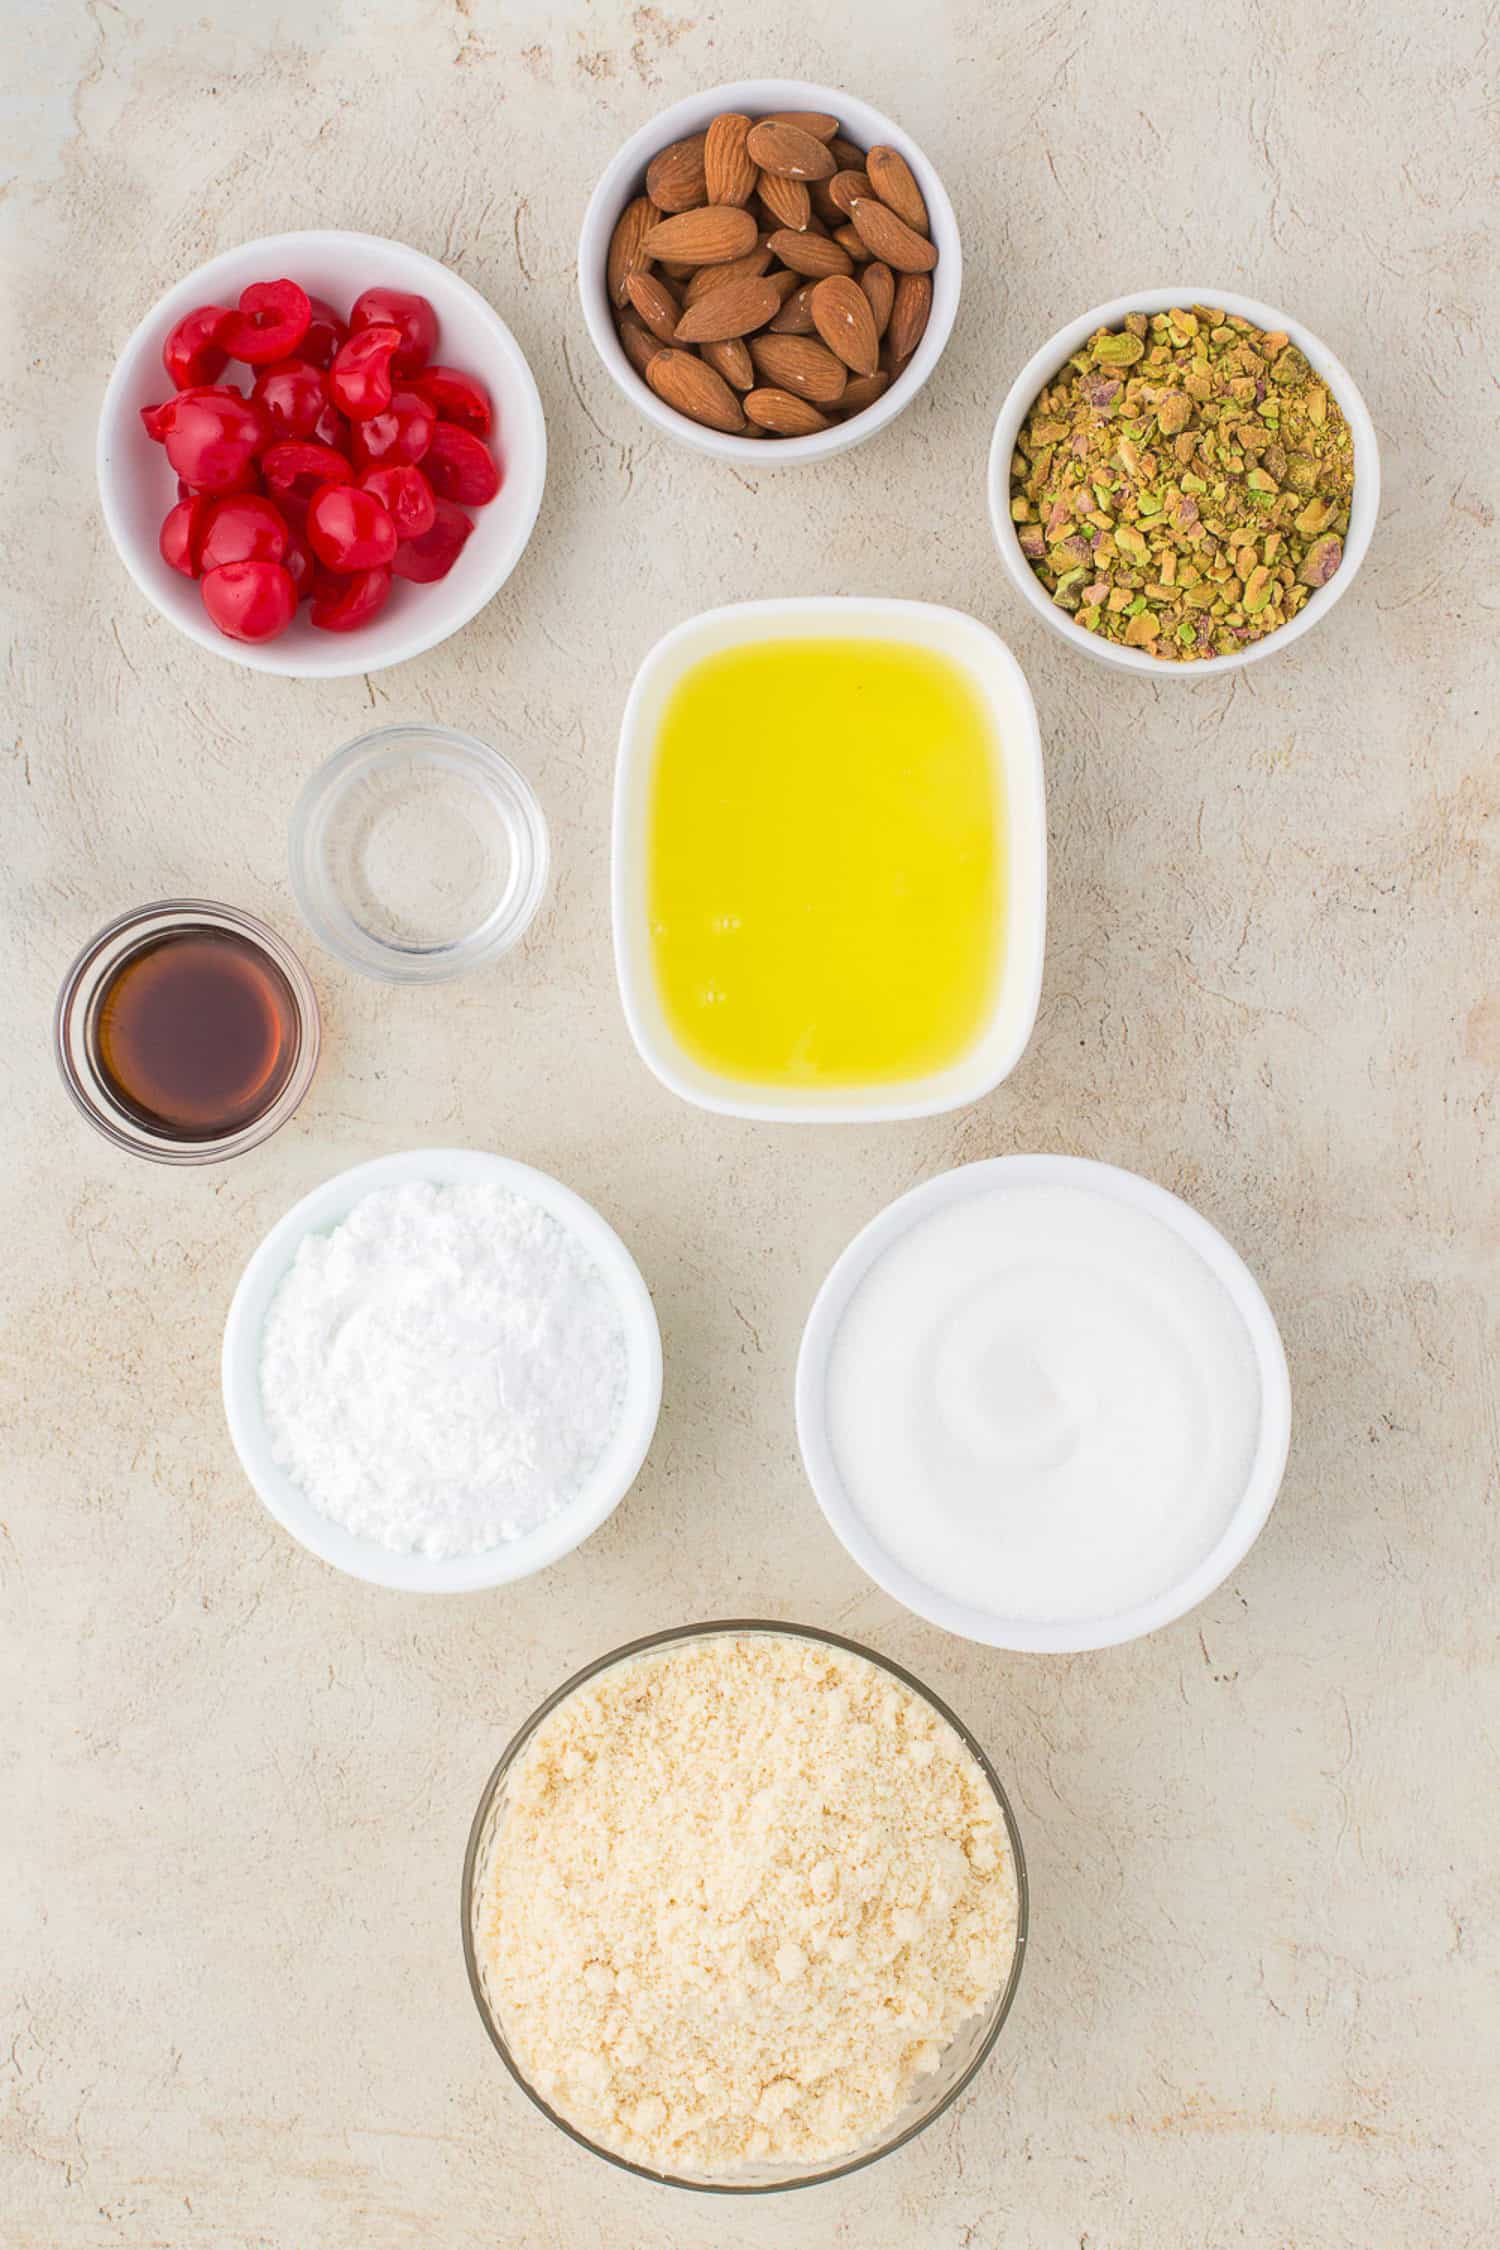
x,y
75,1020
964,2053
417,853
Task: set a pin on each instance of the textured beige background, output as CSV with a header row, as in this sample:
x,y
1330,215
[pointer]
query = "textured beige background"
x,y
1262,2003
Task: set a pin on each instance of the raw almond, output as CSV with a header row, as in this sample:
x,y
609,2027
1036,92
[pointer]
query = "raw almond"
x,y
789,152
909,310
783,414
845,186
886,236
640,346
810,254
795,317
879,285
815,121
848,157
626,246
722,313
710,236
731,359
655,303
787,201
729,171
842,316
799,364
675,179
824,208
691,387
863,391
748,268
853,245
891,178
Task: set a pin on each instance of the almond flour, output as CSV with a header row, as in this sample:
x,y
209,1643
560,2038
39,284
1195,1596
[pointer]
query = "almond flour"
x,y
742,1893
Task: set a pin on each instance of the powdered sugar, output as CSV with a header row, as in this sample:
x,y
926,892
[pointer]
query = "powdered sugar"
x,y
443,1370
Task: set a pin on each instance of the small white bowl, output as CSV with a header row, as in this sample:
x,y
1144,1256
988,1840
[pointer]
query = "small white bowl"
x,y
364,1558
624,178
1039,371
999,680
960,1185
137,486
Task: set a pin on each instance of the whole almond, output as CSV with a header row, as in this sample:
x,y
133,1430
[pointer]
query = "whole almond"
x,y
853,245
845,186
722,313
675,178
891,177
690,386
847,155
656,304
799,364
886,236
824,208
728,170
787,201
795,317
710,236
677,270
790,153
842,316
863,391
626,252
879,285
640,346
810,254
748,268
909,310
782,413
815,121
731,359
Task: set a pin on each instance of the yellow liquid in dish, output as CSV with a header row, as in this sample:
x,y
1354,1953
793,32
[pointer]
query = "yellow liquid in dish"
x,y
825,863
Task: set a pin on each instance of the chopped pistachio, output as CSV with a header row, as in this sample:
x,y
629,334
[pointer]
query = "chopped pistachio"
x,y
1183,483
1117,350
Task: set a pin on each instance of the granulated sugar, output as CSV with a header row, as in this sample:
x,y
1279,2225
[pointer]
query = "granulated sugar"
x,y
442,1371
743,1892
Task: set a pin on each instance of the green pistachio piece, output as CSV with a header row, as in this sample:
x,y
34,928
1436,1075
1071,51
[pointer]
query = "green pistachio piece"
x,y
1321,560
1120,350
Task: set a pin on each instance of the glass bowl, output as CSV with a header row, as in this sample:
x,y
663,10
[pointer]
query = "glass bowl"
x,y
965,2052
417,853
76,1020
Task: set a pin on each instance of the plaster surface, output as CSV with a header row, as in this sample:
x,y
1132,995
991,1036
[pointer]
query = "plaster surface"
x,y
1262,2001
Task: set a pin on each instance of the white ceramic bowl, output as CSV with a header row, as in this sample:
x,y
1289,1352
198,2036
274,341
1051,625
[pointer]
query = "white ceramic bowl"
x,y
137,486
1002,685
1040,369
364,1558
966,1182
624,178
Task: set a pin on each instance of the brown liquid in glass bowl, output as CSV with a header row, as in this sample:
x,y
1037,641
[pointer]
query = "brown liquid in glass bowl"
x,y
196,1034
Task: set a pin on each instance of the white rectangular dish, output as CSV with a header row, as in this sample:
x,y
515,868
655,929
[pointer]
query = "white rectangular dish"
x,y
993,671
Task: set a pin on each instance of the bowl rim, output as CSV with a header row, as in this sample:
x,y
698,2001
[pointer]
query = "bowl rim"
x,y
712,1629
1045,363
371,956
1251,1510
1023,773
613,188
431,623
179,916
325,1206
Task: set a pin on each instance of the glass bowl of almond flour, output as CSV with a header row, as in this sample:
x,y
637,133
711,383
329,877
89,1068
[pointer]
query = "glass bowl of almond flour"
x,y
744,1907
417,853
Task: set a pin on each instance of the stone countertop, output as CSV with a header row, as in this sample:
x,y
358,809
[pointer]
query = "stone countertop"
x,y
1262,2001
